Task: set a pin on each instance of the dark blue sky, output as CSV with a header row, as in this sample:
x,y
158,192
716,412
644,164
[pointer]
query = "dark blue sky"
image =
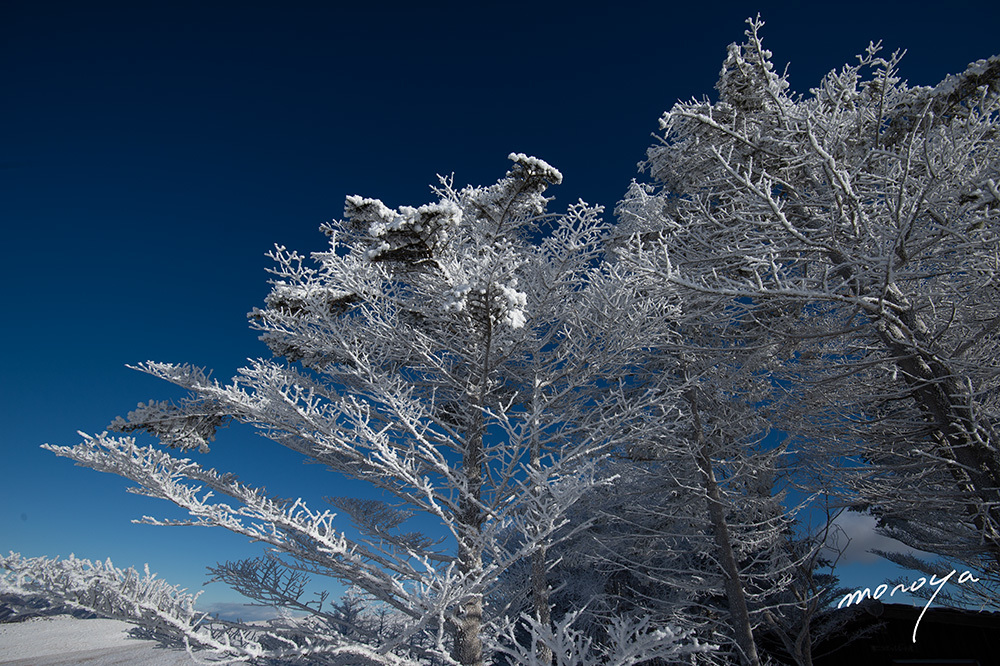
x,y
152,152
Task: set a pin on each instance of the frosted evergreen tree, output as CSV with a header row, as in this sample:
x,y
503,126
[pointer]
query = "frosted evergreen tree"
x,y
693,532
474,361
857,230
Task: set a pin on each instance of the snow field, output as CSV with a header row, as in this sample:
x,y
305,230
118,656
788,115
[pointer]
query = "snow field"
x,y
63,641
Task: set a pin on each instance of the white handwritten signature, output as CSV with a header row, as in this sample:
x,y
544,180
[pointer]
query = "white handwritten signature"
x,y
858,596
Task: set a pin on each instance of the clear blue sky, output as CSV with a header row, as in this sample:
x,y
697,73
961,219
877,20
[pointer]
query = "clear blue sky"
x,y
152,152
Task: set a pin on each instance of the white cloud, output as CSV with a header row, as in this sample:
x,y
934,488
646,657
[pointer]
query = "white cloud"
x,y
858,537
228,610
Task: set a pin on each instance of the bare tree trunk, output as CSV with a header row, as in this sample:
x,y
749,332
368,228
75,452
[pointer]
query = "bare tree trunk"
x,y
468,619
798,646
540,597
803,647
539,576
468,649
943,399
738,611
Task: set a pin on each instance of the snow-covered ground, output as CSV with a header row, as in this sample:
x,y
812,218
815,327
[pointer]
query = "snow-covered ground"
x,y
64,641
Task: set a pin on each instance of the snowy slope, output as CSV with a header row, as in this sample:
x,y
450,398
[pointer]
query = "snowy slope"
x,y
63,641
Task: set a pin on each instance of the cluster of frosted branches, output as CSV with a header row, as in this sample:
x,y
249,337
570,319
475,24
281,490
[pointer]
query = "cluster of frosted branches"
x,y
464,371
855,233
593,434
629,641
165,613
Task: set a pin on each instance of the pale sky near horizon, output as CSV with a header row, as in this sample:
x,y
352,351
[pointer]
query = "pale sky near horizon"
x,y
151,153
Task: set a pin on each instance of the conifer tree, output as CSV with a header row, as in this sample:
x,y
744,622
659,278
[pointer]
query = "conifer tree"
x,y
472,360
855,230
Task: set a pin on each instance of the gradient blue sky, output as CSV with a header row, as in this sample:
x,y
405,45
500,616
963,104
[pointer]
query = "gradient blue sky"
x,y
152,152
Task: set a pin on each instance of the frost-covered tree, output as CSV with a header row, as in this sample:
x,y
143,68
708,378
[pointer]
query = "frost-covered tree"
x,y
857,229
473,361
693,531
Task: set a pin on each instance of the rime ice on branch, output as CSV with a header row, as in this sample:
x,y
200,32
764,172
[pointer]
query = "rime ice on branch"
x,y
466,371
856,231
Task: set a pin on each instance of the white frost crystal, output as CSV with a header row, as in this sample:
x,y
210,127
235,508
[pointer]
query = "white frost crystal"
x,y
516,300
427,226
455,298
536,166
